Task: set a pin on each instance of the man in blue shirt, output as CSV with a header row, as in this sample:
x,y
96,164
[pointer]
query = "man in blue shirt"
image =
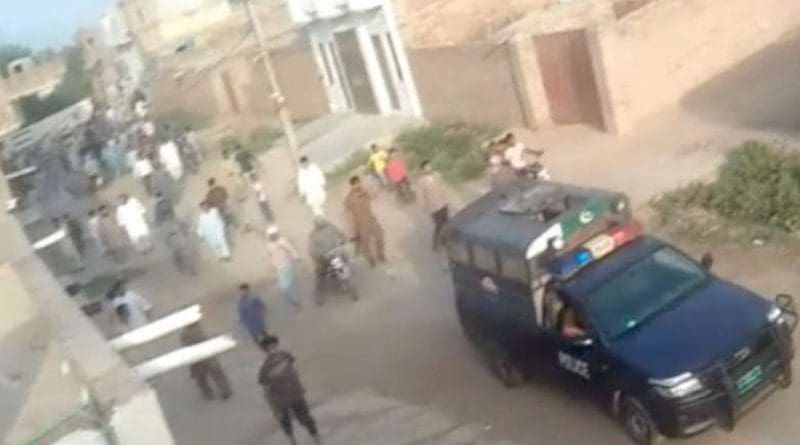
x,y
252,313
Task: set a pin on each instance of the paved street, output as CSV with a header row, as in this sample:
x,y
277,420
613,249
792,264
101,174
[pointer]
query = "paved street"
x,y
401,343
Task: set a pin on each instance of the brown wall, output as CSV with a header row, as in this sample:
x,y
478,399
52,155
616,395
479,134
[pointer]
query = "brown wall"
x,y
239,86
299,78
473,82
655,55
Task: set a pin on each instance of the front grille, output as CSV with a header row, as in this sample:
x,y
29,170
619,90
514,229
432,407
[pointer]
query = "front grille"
x,y
743,375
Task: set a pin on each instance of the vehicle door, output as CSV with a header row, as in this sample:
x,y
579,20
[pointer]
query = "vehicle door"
x,y
569,344
483,302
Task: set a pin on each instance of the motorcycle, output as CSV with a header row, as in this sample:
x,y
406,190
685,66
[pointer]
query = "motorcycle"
x,y
339,271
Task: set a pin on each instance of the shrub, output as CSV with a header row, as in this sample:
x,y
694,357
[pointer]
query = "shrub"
x,y
454,149
756,185
356,163
262,139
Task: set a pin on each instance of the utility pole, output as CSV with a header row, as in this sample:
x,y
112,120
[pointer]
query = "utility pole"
x,y
277,94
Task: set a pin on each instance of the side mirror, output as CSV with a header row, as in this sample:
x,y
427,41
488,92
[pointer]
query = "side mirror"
x,y
707,261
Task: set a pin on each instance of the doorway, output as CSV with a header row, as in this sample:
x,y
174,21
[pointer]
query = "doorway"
x,y
355,69
568,77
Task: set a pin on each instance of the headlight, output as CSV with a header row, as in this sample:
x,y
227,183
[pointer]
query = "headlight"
x,y
677,387
775,315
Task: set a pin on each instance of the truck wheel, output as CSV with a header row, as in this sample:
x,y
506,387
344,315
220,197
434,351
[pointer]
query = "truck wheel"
x,y
638,422
786,379
509,374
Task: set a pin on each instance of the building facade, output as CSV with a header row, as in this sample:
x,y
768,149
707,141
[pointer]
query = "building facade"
x,y
360,55
164,25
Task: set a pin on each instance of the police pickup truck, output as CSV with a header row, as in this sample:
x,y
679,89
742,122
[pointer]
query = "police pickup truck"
x,y
554,276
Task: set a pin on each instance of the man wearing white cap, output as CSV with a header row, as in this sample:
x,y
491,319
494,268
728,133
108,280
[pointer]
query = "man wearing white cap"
x,y
282,256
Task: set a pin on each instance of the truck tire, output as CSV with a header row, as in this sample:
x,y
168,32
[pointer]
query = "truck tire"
x,y
638,422
786,379
504,368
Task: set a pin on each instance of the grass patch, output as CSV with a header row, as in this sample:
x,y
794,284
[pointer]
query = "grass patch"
x,y
756,196
258,141
454,149
355,164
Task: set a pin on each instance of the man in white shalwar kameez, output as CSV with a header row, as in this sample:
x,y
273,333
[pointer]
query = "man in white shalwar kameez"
x,y
170,157
211,229
131,217
311,186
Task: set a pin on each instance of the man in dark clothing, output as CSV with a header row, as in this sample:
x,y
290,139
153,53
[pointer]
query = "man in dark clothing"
x,y
208,368
244,159
217,197
324,238
283,390
252,313
162,210
75,232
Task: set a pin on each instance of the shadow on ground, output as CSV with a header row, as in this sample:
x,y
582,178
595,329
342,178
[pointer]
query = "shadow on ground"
x,y
760,93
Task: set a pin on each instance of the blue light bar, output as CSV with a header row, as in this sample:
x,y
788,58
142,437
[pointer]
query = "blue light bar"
x,y
571,263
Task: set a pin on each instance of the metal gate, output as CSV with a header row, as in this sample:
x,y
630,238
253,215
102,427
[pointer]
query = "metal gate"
x,y
568,77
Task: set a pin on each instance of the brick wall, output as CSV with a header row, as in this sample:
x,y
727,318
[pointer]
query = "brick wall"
x,y
473,82
239,86
655,55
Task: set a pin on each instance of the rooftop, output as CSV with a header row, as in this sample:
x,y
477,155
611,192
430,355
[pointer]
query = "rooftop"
x,y
514,218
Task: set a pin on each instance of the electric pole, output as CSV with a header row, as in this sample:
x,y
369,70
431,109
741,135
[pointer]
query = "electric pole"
x,y
276,95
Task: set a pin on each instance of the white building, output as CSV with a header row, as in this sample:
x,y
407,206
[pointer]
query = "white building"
x,y
360,55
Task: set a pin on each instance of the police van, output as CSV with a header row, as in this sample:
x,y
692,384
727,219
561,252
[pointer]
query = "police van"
x,y
555,277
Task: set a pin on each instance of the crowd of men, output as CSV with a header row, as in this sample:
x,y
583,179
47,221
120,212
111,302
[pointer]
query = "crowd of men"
x,y
159,160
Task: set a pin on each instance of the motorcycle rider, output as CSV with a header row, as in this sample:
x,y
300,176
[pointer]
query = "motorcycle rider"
x,y
325,237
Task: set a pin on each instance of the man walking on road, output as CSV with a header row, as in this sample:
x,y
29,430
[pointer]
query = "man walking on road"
x,y
207,369
311,186
368,233
282,255
170,156
217,197
252,313
211,229
261,196
434,197
283,390
113,240
131,217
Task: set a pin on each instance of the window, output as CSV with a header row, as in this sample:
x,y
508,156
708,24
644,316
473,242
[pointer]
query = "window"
x,y
484,259
514,268
458,252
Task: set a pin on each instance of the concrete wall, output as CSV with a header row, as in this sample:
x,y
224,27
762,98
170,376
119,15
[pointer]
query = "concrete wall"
x,y
87,357
473,82
655,55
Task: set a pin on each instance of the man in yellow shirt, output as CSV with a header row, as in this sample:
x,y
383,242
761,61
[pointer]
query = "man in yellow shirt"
x,y
377,163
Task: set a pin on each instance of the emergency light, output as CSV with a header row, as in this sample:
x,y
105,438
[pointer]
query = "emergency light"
x,y
595,249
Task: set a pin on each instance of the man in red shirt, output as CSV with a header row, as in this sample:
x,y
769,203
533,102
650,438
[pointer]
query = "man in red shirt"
x,y
397,174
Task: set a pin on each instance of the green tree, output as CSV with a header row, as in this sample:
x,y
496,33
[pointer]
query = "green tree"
x,y
75,86
9,53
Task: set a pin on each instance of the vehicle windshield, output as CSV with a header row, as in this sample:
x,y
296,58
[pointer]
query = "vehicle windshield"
x,y
641,291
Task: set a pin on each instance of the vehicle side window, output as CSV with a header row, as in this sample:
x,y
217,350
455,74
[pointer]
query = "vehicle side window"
x,y
514,268
458,251
484,259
